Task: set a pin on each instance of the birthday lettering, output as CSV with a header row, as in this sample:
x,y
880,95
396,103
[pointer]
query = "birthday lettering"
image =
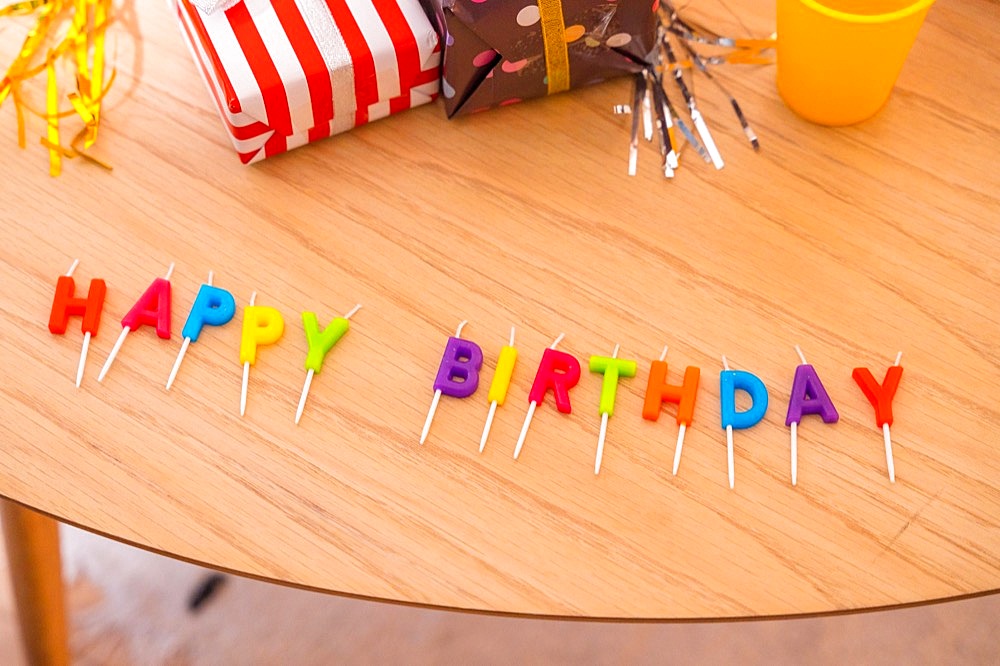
x,y
457,376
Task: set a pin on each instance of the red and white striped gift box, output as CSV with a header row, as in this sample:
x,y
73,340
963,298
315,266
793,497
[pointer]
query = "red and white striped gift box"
x,y
287,72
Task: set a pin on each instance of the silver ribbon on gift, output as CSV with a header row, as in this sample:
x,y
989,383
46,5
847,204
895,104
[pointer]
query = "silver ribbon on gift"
x,y
337,57
212,6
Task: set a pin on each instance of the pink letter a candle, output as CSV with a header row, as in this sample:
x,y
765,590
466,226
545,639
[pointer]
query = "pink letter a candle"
x,y
152,309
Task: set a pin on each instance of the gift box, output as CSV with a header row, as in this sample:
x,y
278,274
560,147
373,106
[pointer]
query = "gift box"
x,y
499,52
288,72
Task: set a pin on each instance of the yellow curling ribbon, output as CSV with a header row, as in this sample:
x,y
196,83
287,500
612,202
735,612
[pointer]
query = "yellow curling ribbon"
x,y
97,75
82,46
52,110
21,7
554,39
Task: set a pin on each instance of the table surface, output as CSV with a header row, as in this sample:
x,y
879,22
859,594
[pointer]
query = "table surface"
x,y
853,243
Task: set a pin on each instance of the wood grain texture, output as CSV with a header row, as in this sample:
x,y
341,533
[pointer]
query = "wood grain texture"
x,y
32,544
853,243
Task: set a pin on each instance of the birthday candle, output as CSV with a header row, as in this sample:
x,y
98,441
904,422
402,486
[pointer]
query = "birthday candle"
x,y
881,399
152,309
658,391
612,368
212,307
64,305
557,371
808,397
499,385
729,382
320,344
262,325
457,375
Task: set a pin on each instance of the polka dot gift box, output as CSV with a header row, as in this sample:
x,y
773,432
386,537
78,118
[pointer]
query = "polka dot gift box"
x,y
499,52
285,73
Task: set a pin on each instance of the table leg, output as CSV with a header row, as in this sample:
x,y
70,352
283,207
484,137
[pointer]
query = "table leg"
x,y
33,554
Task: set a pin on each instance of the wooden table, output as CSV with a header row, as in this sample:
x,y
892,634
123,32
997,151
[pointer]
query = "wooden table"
x,y
853,243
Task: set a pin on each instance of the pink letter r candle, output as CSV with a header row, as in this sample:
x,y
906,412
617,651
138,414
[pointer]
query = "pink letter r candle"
x,y
559,372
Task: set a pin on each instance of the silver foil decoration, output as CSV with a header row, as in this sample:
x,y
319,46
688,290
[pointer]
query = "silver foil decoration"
x,y
676,59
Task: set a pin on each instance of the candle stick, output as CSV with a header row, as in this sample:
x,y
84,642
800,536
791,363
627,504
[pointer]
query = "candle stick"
x,y
320,345
658,391
457,375
152,309
887,436
604,414
213,307
729,382
262,325
89,308
246,364
730,455
500,384
557,371
612,368
880,397
794,424
808,396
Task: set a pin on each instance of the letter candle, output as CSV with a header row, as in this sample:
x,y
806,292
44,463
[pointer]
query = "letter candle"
x,y
658,391
729,382
808,396
612,368
499,385
557,371
152,309
457,375
261,326
64,304
320,343
213,307
881,399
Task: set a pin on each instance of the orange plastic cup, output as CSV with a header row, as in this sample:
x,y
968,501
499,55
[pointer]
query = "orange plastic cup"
x,y
839,59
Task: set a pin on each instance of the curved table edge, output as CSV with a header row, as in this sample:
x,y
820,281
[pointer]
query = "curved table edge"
x,y
510,614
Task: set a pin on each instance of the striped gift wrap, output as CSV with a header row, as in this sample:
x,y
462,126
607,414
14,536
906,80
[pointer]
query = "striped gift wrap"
x,y
288,72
